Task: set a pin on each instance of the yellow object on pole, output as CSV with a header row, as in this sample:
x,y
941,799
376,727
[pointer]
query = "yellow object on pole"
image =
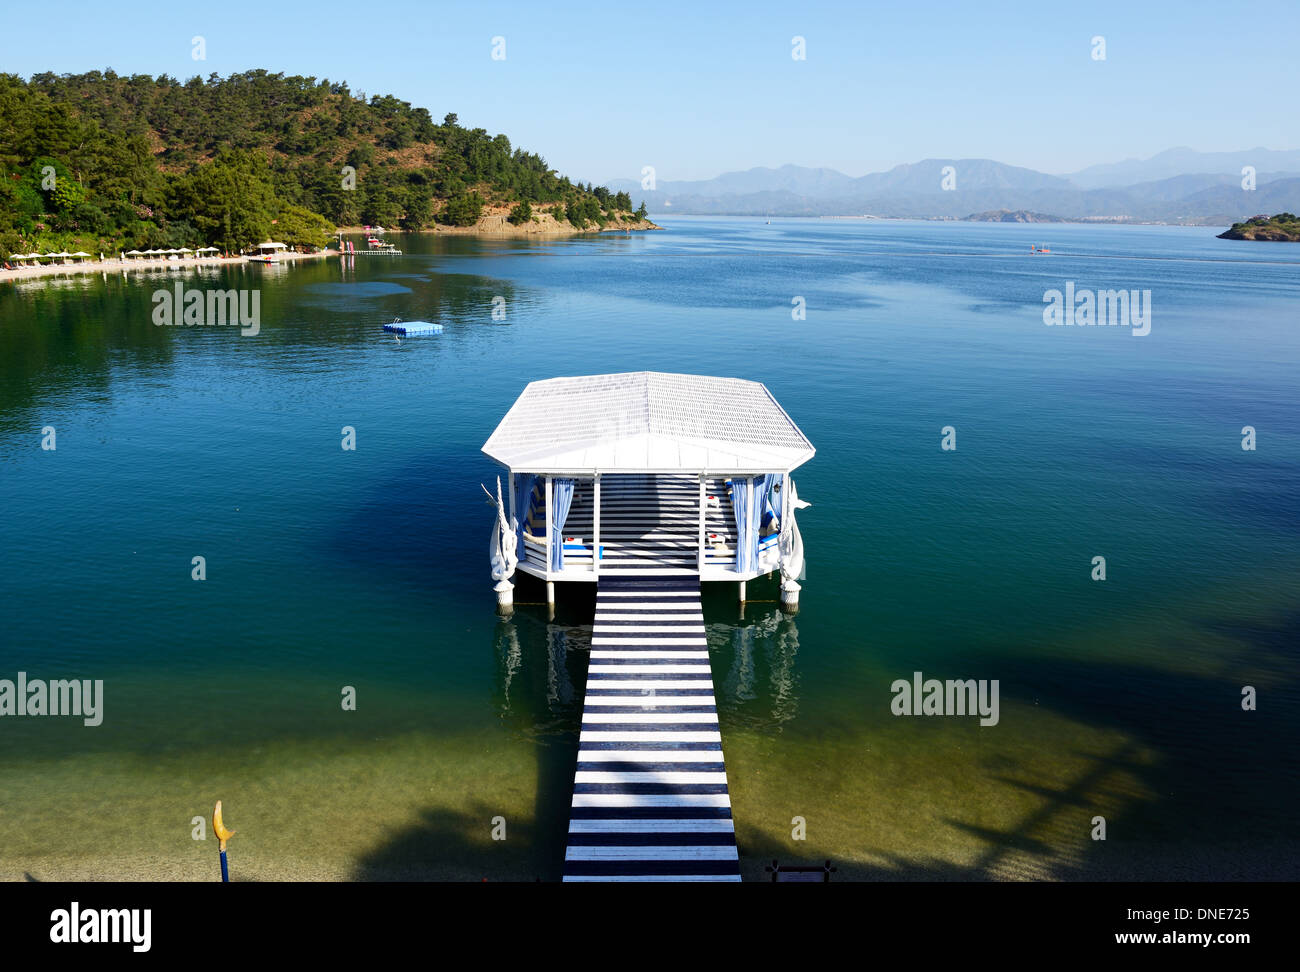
x,y
223,835
219,826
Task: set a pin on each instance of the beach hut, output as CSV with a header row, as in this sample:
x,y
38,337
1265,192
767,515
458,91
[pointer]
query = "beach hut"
x,y
648,475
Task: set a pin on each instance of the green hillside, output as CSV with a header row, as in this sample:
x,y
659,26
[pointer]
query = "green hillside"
x,y
101,162
1284,227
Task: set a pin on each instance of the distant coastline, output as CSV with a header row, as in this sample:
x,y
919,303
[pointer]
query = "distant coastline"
x,y
494,224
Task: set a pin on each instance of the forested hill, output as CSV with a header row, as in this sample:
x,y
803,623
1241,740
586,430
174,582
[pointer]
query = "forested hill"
x,y
102,162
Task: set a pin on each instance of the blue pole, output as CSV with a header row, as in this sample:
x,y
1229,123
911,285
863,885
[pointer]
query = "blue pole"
x,y
225,875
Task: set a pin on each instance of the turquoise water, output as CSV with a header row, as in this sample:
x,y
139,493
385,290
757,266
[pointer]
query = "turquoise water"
x,y
328,568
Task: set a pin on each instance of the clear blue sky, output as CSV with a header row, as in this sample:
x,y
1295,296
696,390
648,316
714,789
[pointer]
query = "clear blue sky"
x,y
695,89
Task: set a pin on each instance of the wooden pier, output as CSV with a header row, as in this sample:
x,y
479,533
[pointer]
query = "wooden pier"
x,y
648,484
650,799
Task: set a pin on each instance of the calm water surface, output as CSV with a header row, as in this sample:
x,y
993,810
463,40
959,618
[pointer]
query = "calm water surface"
x,y
328,568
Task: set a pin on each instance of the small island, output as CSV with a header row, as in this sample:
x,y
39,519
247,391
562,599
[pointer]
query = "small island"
x,y
1012,216
1282,228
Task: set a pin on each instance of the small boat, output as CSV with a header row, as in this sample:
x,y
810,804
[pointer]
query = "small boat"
x,y
261,259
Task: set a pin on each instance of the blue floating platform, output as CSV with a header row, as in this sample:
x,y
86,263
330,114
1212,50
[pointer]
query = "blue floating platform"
x,y
414,327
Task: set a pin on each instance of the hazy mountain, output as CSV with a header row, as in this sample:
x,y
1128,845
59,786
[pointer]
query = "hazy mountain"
x,y
927,176
1189,187
1185,161
789,178
914,178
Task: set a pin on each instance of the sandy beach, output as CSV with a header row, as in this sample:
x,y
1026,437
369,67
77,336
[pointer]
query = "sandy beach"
x,y
118,266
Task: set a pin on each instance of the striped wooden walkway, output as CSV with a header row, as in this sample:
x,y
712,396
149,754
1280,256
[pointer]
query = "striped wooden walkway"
x,y
650,800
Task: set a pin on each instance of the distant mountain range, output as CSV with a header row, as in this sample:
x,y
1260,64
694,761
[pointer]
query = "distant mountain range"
x,y
1177,186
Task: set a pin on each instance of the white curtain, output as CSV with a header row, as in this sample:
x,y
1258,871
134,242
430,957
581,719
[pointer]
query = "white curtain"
x,y
504,539
791,542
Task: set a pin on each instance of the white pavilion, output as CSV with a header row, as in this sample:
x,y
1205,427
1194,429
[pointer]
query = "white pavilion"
x,y
647,475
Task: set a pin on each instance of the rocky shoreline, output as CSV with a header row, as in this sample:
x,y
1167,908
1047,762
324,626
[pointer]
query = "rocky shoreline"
x,y
1282,228
495,222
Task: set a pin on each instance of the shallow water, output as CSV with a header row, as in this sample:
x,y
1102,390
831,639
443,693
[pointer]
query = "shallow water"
x,y
328,568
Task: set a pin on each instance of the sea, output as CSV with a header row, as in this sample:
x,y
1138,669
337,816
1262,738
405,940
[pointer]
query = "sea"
x,y
1103,520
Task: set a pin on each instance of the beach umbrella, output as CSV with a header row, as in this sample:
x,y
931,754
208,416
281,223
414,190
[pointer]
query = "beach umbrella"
x,y
223,835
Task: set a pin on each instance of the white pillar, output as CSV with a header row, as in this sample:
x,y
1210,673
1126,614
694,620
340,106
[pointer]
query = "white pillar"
x,y
550,538
510,477
700,552
595,526
742,592
505,597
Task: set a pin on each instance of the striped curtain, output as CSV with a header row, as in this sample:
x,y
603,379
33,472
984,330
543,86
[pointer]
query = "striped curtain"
x,y
746,503
765,502
524,483
562,497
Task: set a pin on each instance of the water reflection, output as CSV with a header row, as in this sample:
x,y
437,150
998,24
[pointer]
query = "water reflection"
x,y
539,668
760,681
508,658
559,688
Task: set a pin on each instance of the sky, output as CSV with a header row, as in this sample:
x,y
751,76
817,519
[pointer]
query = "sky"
x,y
696,89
